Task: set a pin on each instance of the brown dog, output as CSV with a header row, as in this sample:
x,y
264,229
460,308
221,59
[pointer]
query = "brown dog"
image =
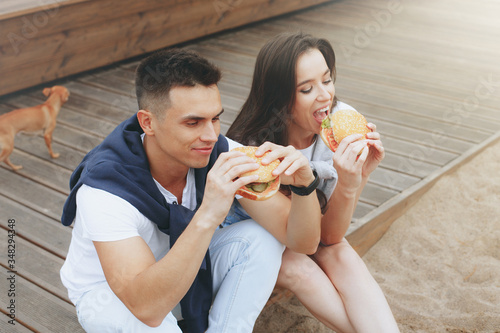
x,y
32,119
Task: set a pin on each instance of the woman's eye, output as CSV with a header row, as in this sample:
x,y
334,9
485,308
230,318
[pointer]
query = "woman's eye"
x,y
306,91
327,81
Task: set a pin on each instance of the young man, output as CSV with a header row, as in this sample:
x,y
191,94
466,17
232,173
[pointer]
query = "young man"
x,y
148,205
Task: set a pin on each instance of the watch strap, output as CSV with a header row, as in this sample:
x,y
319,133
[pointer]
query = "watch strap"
x,y
304,191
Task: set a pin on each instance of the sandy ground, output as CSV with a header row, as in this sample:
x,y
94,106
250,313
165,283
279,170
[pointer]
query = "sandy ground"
x,y
439,263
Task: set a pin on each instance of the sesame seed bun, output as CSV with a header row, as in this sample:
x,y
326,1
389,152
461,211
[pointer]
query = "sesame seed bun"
x,y
265,176
342,123
264,171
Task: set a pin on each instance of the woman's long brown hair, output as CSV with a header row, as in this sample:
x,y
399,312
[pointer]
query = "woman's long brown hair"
x,y
266,113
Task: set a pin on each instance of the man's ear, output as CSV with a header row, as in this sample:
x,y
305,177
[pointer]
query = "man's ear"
x,y
145,119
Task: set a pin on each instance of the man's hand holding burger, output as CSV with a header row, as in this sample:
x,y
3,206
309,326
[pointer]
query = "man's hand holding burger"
x,y
223,180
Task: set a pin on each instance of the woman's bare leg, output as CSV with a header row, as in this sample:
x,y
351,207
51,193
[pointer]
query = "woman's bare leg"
x,y
301,275
364,301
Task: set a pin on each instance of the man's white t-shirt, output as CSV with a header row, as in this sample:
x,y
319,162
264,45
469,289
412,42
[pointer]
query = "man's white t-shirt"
x,y
102,216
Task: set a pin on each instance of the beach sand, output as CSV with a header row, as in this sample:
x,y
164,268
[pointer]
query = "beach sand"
x,y
439,263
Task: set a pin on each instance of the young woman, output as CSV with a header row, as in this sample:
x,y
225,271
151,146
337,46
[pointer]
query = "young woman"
x,y
292,91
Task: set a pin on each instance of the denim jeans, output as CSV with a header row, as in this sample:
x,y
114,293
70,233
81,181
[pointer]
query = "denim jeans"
x,y
245,264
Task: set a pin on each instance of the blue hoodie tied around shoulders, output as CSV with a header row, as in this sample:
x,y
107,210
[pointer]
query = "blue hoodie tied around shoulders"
x,y
119,165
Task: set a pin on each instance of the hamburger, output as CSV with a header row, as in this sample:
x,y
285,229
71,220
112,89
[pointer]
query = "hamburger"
x,y
340,124
267,185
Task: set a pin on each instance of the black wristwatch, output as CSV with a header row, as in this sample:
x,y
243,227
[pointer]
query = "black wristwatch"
x,y
303,191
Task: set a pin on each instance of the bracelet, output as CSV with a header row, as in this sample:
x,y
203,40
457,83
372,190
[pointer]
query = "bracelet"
x,y
303,191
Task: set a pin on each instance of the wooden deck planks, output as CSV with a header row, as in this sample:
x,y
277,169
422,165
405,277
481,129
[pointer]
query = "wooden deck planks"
x,y
42,199
32,225
6,327
429,80
39,267
40,309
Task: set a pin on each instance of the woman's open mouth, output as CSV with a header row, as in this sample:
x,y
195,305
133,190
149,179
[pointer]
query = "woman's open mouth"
x,y
321,114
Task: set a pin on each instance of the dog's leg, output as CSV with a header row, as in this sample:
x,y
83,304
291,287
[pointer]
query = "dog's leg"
x,y
4,156
47,135
13,166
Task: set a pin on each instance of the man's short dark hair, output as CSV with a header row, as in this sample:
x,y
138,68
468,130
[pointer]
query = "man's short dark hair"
x,y
157,74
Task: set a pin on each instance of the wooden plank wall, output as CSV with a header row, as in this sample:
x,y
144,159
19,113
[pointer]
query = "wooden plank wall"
x,y
54,39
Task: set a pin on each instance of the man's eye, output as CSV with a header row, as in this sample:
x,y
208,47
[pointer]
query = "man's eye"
x,y
192,123
216,119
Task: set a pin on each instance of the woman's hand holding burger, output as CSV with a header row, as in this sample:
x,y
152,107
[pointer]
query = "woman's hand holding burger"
x,y
294,168
276,165
254,173
348,160
347,134
376,153
356,158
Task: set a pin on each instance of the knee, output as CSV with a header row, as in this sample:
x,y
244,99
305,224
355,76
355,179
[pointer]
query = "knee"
x,y
259,235
100,308
340,257
296,270
262,246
